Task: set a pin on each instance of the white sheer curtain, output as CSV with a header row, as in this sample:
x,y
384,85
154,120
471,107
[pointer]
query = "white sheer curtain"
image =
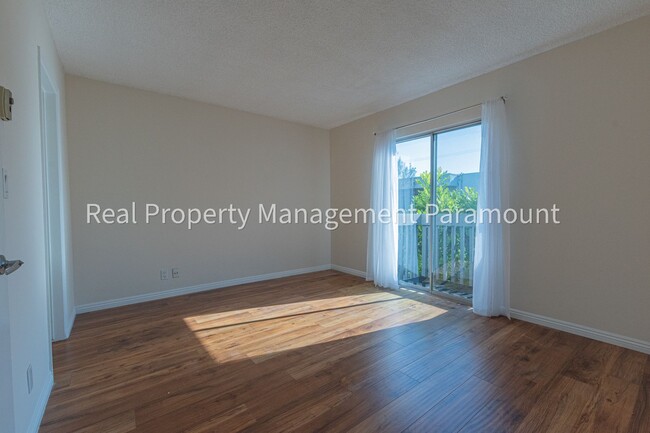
x,y
492,251
381,264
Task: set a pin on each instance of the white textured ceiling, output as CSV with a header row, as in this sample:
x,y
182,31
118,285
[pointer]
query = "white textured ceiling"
x,y
319,62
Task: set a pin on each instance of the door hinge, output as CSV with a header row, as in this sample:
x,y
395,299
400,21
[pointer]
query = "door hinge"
x,y
5,186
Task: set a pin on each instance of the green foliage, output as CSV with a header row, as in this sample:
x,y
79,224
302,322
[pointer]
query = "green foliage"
x,y
447,198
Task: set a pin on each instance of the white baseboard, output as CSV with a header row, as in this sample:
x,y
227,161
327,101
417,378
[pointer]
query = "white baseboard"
x,y
41,404
573,328
584,331
349,271
103,305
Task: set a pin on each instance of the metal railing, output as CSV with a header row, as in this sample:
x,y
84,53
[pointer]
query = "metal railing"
x,y
452,249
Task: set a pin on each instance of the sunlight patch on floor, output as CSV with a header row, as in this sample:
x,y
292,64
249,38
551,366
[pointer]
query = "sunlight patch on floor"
x,y
259,333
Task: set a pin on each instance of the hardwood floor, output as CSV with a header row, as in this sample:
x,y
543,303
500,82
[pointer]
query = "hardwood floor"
x,y
328,352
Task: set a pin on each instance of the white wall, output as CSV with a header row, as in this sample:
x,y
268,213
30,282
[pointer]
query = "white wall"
x,y
579,119
23,28
131,145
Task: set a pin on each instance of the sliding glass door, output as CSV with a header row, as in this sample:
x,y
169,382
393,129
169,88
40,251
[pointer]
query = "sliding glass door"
x,y
414,168
437,252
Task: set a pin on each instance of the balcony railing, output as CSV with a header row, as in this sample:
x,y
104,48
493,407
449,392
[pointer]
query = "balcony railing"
x,y
452,250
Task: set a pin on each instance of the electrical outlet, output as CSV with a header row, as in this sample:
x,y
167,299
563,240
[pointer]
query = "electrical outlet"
x,y
30,379
175,273
164,274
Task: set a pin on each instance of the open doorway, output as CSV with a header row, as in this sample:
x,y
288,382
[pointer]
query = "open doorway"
x,y
57,257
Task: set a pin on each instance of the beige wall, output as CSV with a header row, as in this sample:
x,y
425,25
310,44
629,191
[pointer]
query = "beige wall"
x,y
580,124
131,145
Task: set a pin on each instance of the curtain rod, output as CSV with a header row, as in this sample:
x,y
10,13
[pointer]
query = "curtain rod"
x,y
503,98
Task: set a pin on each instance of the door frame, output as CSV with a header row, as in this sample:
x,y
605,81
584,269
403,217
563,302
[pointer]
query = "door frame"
x,y
53,204
433,240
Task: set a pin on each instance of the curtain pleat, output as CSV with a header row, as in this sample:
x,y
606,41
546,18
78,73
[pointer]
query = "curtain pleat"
x,y
492,252
381,266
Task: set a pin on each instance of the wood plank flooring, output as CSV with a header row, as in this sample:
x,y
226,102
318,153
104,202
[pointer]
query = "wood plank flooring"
x,y
327,352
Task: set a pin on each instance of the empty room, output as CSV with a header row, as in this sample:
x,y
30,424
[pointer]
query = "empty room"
x,y
324,216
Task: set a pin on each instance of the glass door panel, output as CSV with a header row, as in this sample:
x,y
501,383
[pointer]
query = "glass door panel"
x,y
414,233
457,155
